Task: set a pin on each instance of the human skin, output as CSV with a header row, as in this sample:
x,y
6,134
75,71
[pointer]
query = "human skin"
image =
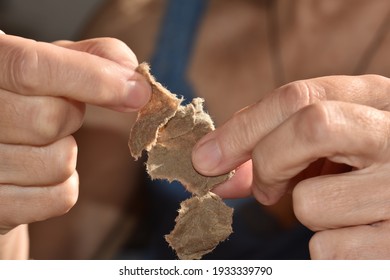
x,y
43,91
326,141
230,61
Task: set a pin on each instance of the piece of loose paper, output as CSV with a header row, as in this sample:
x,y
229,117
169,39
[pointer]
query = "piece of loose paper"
x,y
202,223
169,131
161,107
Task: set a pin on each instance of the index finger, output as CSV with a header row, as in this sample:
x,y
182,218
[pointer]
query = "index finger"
x,y
35,68
232,144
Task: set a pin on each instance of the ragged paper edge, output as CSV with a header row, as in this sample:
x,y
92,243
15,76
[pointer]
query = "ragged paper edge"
x,y
136,150
197,123
223,232
170,106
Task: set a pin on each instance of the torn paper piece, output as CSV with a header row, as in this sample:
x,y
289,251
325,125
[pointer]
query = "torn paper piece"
x,y
170,158
169,131
155,114
203,222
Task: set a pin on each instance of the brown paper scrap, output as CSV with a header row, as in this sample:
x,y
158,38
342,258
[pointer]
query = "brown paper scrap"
x,y
169,131
161,107
170,158
202,223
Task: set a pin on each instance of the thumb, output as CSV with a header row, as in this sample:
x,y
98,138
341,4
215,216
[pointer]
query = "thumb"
x,y
35,68
232,144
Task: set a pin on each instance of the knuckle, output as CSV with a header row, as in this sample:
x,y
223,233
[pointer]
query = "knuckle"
x,y
53,117
316,247
67,196
305,205
61,198
64,158
48,121
70,157
314,123
264,171
299,94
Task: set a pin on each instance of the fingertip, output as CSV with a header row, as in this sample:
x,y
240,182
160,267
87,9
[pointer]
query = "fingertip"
x,y
2,32
139,93
207,155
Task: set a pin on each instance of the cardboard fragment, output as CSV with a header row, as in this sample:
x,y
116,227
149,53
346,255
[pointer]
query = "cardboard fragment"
x,y
170,158
169,131
202,223
161,107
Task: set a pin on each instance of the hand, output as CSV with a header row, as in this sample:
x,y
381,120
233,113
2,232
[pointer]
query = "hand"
x,y
43,88
327,141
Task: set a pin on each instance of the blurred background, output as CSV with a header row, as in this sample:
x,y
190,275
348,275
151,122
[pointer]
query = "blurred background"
x,y
46,20
236,51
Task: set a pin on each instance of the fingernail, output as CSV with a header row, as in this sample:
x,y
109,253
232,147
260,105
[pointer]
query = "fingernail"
x,y
207,156
138,94
1,32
